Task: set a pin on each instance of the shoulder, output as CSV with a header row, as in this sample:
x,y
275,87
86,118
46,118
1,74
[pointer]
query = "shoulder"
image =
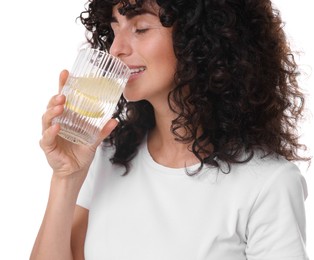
x,y
268,170
277,213
261,177
278,173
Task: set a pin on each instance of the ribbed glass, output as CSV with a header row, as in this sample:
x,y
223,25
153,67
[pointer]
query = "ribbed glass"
x,y
92,91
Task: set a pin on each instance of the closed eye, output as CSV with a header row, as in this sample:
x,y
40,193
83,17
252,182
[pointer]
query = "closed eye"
x,y
141,31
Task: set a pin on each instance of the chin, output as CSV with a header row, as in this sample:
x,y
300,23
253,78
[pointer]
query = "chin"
x,y
132,97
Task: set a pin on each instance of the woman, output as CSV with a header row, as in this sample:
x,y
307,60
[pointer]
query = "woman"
x,y
198,166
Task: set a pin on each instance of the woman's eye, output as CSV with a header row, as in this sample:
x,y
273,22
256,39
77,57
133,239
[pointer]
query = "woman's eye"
x,y
141,31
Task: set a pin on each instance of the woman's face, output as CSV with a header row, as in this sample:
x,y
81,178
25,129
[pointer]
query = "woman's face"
x,y
146,47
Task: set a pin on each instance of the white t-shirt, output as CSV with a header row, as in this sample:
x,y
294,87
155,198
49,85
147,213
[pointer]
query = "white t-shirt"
x,y
255,212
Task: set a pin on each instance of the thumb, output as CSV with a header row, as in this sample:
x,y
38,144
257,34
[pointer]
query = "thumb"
x,y
108,128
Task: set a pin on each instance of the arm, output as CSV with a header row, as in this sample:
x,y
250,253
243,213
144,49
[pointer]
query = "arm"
x,y
79,229
63,220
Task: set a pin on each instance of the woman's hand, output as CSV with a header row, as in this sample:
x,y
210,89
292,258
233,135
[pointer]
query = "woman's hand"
x,y
64,157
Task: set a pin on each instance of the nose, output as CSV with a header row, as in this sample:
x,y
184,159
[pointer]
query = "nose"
x,y
121,45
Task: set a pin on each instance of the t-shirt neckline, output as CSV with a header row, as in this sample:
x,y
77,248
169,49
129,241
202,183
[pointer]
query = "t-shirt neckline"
x,y
162,168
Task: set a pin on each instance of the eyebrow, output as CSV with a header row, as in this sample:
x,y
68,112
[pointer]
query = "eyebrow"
x,y
133,13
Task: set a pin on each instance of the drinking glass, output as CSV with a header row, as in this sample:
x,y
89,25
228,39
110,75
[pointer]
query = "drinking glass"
x,y
93,89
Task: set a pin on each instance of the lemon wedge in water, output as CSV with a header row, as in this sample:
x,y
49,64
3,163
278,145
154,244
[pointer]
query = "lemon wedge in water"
x,y
82,103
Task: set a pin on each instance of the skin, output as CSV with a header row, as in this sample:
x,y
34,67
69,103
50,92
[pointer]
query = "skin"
x,y
64,224
140,41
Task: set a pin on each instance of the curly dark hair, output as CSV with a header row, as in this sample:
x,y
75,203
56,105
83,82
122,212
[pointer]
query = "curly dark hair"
x,y
234,57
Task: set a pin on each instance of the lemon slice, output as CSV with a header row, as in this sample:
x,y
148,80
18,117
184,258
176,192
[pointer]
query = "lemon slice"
x,y
83,112
86,95
88,106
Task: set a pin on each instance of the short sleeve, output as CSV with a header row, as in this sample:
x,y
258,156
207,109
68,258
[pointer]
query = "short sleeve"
x,y
86,193
276,227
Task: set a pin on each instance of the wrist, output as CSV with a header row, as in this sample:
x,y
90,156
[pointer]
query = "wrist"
x,y
68,186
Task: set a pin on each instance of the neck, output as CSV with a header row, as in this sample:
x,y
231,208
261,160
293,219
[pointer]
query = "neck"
x,y
162,145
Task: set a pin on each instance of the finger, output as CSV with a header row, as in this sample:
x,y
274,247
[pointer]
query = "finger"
x,y
108,128
62,79
54,108
49,115
48,141
56,100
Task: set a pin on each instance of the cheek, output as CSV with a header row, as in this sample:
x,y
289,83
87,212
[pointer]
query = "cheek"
x,y
159,45
167,66
162,57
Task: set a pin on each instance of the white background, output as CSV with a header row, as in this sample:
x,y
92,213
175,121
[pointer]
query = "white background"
x,y
38,40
